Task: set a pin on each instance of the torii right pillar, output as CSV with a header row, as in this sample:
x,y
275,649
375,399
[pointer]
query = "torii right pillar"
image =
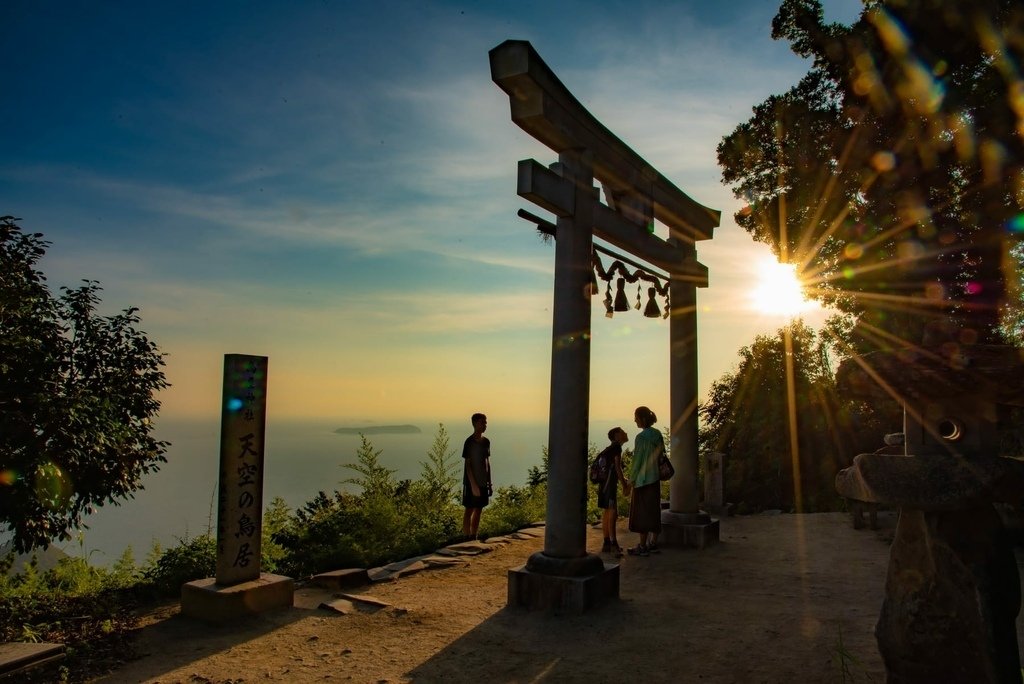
x,y
684,524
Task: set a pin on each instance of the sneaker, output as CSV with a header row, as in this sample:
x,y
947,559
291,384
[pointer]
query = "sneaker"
x,y
638,551
606,547
653,548
616,550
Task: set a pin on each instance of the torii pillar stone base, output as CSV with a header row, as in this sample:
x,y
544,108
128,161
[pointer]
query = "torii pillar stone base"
x,y
581,584
693,530
206,600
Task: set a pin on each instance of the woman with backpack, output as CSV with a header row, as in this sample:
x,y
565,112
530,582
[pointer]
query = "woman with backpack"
x,y
645,506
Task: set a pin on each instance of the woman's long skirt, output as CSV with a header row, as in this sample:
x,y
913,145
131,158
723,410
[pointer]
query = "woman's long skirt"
x,y
645,509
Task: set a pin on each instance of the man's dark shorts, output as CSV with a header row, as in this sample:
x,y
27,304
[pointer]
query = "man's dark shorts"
x,y
608,497
470,501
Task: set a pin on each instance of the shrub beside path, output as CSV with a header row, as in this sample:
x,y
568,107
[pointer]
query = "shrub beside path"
x,y
783,598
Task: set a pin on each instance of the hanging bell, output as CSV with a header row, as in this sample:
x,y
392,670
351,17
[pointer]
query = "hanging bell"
x,y
652,310
637,306
621,303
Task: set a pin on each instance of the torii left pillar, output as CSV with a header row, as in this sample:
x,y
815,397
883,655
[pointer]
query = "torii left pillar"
x,y
564,578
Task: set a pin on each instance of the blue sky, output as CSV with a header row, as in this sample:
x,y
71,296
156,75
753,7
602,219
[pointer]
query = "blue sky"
x,y
332,184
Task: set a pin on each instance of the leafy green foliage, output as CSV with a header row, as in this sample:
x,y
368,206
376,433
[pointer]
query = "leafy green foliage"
x,y
88,608
77,394
388,520
275,520
439,470
784,428
537,475
189,560
513,507
893,172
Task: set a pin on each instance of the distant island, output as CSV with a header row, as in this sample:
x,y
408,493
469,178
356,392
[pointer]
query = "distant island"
x,y
379,430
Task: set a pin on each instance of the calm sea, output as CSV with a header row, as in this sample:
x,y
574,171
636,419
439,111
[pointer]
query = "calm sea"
x,y
302,458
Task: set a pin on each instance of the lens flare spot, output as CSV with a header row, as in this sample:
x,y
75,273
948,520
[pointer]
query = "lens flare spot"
x,y
934,291
1016,224
8,477
883,161
52,487
810,627
853,251
973,288
234,404
909,251
848,273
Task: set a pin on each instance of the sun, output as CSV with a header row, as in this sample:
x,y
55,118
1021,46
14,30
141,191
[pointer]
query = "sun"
x,y
778,291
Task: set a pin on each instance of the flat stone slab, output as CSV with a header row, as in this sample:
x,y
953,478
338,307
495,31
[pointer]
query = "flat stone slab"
x,y
470,548
371,601
437,562
409,568
406,566
343,606
341,579
381,575
499,541
17,656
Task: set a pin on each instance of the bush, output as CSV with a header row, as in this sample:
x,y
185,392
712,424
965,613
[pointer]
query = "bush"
x,y
512,508
190,560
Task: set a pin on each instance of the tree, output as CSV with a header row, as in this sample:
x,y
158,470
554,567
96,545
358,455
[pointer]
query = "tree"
x,y
893,172
785,429
77,395
438,472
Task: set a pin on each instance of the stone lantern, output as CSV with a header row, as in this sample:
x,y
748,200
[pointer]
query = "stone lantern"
x,y
952,593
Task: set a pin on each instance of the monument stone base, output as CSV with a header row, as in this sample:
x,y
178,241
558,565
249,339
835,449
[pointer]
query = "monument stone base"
x,y
690,530
206,600
562,595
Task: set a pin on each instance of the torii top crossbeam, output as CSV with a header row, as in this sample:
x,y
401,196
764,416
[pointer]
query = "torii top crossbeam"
x,y
543,107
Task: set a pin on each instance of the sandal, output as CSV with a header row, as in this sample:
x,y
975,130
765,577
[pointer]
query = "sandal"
x,y
638,550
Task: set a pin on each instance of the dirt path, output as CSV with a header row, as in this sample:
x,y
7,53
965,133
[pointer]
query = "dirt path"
x,y
777,601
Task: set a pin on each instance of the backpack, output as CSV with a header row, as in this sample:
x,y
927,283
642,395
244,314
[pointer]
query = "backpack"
x,y
599,469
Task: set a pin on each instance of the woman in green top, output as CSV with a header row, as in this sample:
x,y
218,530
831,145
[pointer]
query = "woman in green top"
x,y
645,506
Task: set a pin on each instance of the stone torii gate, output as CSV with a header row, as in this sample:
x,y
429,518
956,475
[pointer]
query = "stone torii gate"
x,y
564,576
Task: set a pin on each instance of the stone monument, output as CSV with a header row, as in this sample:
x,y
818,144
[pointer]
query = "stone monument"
x,y
239,588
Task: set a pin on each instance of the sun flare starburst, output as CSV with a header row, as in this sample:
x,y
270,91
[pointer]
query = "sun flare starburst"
x,y
778,291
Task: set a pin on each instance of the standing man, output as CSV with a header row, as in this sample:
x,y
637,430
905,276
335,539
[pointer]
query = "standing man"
x,y
476,475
